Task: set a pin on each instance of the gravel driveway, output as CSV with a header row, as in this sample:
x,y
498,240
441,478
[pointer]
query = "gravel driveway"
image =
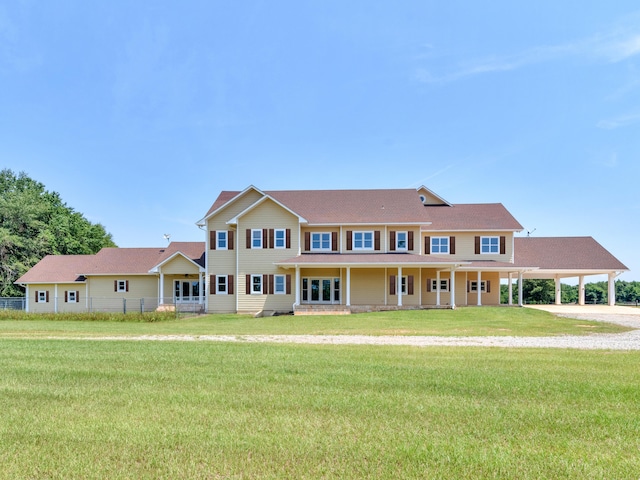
x,y
627,316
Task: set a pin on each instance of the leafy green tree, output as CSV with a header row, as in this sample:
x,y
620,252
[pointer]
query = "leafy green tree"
x,y
538,291
34,223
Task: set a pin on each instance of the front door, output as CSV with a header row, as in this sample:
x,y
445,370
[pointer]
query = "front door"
x,y
321,290
186,291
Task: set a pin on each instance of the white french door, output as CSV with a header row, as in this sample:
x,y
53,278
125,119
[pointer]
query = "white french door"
x,y
321,290
186,291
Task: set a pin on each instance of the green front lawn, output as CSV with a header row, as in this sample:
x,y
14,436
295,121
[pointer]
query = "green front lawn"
x,y
77,409
468,321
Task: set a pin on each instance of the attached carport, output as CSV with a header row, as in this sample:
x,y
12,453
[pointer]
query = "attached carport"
x,y
567,257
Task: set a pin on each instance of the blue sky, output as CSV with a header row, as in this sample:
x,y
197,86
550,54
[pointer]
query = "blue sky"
x,y
140,113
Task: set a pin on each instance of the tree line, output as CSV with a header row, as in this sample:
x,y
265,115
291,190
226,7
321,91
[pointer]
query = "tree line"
x,y
544,292
35,222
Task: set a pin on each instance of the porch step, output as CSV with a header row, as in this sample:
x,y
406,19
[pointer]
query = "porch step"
x,y
322,310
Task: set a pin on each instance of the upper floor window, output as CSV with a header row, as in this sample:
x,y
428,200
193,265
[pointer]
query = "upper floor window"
x,y
221,240
489,244
321,241
401,241
363,240
256,238
280,238
440,245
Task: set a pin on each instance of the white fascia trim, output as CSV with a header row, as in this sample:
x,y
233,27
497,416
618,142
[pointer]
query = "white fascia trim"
x,y
234,220
203,221
486,233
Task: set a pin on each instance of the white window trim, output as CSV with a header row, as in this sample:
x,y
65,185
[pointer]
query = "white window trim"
x,y
256,234
284,238
497,245
226,285
42,296
321,248
122,286
444,285
406,241
364,233
283,278
473,287
403,285
259,277
224,234
71,293
440,239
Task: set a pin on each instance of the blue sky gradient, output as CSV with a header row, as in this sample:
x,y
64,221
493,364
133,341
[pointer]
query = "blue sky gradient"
x,y
140,113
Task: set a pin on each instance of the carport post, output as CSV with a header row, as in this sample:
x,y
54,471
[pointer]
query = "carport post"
x,y
581,291
558,291
612,289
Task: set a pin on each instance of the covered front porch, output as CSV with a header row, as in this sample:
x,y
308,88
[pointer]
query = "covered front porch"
x,y
339,283
181,284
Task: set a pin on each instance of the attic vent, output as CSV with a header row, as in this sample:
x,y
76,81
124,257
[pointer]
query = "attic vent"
x,y
423,198
162,250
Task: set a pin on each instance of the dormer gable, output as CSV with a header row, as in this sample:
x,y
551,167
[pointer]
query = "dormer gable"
x,y
428,197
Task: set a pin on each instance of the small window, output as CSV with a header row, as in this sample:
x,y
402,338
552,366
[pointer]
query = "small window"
x,y
279,284
221,240
474,286
280,238
121,286
440,245
221,284
256,238
72,297
403,285
321,241
42,296
444,285
401,241
363,240
489,244
256,284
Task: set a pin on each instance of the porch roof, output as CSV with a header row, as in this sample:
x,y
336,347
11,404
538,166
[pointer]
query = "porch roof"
x,y
368,260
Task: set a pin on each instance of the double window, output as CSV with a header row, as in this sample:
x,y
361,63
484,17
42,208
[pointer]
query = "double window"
x,y
321,241
444,285
489,244
440,245
363,240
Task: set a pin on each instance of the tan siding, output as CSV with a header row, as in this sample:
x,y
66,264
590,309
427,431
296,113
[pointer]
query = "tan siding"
x,y
429,298
465,245
367,286
48,307
179,265
407,300
267,215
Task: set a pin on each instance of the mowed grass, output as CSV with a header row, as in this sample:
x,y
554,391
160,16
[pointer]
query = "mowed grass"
x,y
468,321
119,409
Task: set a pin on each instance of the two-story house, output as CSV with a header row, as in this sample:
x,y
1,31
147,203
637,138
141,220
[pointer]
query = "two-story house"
x,y
316,250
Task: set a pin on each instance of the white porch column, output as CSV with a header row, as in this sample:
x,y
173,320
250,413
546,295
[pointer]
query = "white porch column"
x,y
348,286
399,286
558,291
201,289
612,289
438,288
452,288
55,298
510,288
297,285
161,299
479,288
581,291
520,302
27,298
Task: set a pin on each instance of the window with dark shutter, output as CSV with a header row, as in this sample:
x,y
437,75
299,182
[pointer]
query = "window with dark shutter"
x,y
477,245
248,238
230,284
230,240
503,245
376,240
288,284
248,284
349,240
307,241
452,245
427,245
212,240
212,284
392,240
392,285
410,285
410,240
334,241
272,238
288,233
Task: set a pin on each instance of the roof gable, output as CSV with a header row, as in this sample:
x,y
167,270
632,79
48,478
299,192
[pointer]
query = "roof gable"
x,y
226,199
